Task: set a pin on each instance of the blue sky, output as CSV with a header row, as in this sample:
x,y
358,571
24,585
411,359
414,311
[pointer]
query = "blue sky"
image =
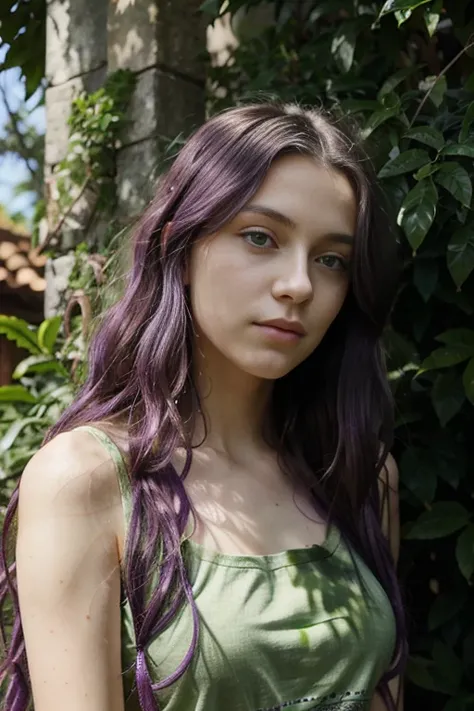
x,y
12,171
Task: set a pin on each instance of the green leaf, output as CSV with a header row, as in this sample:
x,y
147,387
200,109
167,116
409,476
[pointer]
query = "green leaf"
x,y
425,277
428,135
418,474
426,170
419,672
406,162
468,381
460,254
440,86
400,5
353,106
431,21
418,211
400,350
378,118
211,7
16,393
402,16
455,179
444,518
446,357
12,433
47,333
460,702
447,664
39,364
393,81
456,337
466,123
343,45
445,607
18,330
447,396
459,149
465,552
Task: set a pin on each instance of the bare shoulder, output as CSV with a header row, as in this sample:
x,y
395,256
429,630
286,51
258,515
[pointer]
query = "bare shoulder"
x,y
73,472
389,473
68,574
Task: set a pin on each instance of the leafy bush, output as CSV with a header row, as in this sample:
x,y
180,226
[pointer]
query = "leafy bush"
x,y
404,70
42,389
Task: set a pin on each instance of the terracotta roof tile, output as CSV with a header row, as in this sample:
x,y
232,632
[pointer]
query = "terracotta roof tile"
x,y
20,265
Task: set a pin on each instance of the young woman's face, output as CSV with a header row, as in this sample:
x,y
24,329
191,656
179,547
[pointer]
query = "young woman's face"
x,y
285,257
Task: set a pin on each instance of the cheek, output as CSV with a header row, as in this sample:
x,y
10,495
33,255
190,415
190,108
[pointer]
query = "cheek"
x,y
213,289
327,303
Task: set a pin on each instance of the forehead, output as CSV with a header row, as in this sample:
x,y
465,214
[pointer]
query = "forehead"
x,y
309,192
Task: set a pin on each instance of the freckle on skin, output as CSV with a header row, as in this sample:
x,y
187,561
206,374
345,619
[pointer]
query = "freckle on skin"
x,y
88,617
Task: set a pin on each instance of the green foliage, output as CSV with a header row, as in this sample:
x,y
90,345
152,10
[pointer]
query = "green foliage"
x,y
406,83
43,387
96,122
45,381
23,27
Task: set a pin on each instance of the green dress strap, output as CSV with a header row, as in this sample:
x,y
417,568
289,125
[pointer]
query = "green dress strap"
x,y
120,465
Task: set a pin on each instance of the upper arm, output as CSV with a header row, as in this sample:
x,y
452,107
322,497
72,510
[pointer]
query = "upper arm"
x,y
388,489
68,576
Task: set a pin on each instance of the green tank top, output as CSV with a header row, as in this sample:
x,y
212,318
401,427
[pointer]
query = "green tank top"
x,y
309,629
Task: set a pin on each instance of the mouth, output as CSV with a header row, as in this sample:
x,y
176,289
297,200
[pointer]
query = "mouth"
x,y
281,331
290,327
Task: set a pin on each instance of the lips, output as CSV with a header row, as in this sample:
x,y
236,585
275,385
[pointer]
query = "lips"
x,y
284,325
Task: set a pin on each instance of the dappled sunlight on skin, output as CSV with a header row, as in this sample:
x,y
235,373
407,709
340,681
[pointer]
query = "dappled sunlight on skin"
x,y
240,512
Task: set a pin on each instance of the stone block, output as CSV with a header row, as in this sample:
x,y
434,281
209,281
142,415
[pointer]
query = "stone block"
x,y
58,109
171,33
57,273
137,172
163,105
76,38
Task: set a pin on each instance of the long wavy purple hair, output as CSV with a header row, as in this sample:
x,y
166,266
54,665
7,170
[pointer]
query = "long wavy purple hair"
x,y
328,417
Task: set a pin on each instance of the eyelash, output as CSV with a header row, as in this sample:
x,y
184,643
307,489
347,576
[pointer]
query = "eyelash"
x,y
344,262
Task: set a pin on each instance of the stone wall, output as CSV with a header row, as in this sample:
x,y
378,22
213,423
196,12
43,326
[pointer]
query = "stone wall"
x,y
162,41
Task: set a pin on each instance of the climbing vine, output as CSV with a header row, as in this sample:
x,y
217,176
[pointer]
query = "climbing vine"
x,y
83,183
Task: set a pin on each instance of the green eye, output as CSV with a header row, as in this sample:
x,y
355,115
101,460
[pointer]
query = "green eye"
x,y
258,239
342,263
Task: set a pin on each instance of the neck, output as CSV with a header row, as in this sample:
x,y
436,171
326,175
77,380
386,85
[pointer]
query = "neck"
x,y
233,406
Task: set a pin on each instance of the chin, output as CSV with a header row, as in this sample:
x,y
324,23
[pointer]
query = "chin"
x,y
272,369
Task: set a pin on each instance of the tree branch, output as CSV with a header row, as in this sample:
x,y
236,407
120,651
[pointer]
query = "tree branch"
x,y
19,136
442,73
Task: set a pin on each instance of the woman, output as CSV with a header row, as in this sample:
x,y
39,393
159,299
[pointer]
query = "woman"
x,y
202,528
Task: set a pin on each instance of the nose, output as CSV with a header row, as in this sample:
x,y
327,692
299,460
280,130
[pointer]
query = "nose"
x,y
293,283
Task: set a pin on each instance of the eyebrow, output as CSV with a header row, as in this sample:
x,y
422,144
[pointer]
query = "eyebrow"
x,y
288,222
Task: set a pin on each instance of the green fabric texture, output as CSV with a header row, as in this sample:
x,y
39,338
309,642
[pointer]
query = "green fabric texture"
x,y
305,629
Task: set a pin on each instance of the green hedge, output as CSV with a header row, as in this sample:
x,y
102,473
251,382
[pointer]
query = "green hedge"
x,y
405,71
